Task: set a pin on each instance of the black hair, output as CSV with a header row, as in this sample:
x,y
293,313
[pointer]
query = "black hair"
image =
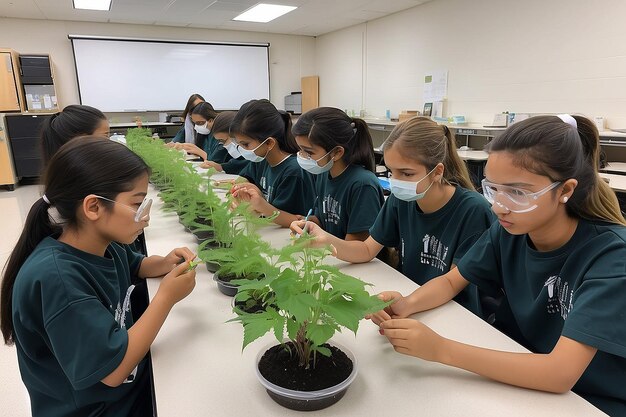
x,y
204,109
222,122
75,120
548,146
259,119
81,167
190,104
330,127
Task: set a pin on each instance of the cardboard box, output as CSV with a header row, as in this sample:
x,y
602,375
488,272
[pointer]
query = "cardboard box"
x,y
407,114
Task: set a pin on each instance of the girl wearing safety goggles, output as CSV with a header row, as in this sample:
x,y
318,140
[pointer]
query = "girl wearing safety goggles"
x,y
276,182
338,151
433,215
221,133
66,289
558,255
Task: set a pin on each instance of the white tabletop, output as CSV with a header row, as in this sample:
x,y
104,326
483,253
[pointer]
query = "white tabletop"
x,y
472,155
199,368
143,124
616,181
615,167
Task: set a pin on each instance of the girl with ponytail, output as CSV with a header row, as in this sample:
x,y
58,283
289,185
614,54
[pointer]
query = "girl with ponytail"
x,y
65,296
75,120
557,253
276,182
433,215
338,151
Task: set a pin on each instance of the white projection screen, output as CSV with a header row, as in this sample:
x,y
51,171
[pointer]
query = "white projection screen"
x,y
130,75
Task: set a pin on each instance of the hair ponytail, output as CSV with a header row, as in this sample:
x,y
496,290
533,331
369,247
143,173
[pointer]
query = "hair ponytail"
x,y
75,120
599,201
430,143
548,146
329,127
36,227
289,144
81,167
259,120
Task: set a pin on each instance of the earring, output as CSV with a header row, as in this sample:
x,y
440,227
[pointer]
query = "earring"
x,y
565,199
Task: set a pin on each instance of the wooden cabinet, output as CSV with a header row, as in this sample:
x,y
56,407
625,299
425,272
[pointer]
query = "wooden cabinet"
x,y
7,169
310,93
10,87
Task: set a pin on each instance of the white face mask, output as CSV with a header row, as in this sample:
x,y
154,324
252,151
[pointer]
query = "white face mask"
x,y
406,190
250,155
202,129
311,165
231,147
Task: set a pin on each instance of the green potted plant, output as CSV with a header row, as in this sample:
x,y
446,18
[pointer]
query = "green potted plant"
x,y
304,304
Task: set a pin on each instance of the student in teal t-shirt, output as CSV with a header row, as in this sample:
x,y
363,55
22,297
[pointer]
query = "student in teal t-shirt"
x,y
186,134
433,215
338,151
221,133
205,146
276,182
557,253
65,298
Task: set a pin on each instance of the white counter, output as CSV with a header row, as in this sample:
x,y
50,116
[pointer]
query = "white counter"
x,y
200,370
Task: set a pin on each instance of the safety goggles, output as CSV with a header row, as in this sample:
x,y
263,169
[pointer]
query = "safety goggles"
x,y
141,214
513,199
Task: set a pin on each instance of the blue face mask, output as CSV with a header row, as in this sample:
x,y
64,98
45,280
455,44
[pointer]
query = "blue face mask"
x,y
250,155
311,165
231,147
406,190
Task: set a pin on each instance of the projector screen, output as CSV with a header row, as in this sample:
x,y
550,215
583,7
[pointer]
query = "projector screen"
x,y
131,75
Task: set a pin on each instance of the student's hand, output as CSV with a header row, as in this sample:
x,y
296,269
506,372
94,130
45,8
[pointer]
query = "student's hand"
x,y
413,338
179,255
321,237
313,219
177,284
191,148
211,164
250,193
399,308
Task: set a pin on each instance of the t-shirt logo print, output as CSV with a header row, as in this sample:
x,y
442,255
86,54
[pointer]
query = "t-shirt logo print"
x,y
331,209
559,296
120,318
434,253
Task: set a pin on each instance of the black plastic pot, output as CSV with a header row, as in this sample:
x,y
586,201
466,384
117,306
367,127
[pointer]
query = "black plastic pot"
x,y
225,287
306,400
212,266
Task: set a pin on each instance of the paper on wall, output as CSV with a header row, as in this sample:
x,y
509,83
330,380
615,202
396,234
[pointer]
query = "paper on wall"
x,y
435,86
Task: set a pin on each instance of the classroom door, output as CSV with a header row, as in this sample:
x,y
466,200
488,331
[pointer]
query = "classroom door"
x,y
8,86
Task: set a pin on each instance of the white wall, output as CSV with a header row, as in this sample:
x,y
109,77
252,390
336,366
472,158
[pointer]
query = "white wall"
x,y
291,57
522,56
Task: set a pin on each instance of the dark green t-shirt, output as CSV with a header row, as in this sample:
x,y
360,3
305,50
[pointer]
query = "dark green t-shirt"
x,y
235,166
286,186
577,291
348,203
71,312
214,149
429,243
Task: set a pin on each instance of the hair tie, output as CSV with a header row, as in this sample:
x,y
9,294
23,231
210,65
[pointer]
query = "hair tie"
x,y
46,199
445,130
569,120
